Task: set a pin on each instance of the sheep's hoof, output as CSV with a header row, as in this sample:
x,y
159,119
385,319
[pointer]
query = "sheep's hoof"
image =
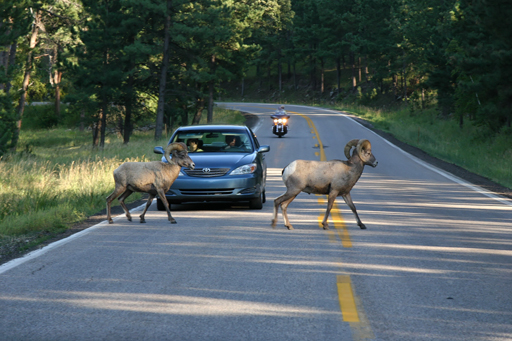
x,y
326,228
110,221
172,221
129,218
290,227
362,227
142,220
273,224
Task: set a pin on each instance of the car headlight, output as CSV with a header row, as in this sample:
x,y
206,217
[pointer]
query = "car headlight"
x,y
245,169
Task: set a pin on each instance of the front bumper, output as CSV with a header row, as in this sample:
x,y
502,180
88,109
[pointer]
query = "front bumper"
x,y
227,188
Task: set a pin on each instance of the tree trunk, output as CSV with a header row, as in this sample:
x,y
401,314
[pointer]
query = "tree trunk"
x,y
359,69
322,80
353,63
294,76
261,78
163,75
268,77
82,119
103,125
96,131
367,78
209,119
10,61
211,89
26,78
127,129
338,73
57,79
199,111
405,78
395,84
279,71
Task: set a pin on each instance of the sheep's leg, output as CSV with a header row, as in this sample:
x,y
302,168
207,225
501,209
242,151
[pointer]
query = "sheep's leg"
x,y
161,195
330,203
283,201
121,199
348,200
117,191
277,202
148,203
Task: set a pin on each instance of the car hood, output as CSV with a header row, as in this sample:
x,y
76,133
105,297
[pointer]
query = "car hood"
x,y
221,160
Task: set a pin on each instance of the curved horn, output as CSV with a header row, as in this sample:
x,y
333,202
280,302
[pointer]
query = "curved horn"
x,y
173,146
363,144
349,145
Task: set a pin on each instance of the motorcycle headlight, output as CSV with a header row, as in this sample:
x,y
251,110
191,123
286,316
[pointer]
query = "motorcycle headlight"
x,y
245,169
284,120
275,120
280,120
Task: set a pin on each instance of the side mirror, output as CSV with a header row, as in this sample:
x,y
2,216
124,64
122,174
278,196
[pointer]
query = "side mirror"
x,y
158,150
263,149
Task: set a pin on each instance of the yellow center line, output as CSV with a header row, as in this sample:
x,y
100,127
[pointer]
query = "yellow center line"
x,y
351,308
347,301
340,226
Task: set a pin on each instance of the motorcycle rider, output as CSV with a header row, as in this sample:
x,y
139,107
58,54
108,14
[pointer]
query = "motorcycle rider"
x,y
280,113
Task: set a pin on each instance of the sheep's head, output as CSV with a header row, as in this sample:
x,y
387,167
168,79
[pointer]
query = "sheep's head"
x,y
179,155
363,148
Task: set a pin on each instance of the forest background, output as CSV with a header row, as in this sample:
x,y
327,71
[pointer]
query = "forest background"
x,y
433,73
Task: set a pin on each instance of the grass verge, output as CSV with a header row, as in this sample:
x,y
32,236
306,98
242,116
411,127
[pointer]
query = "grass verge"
x,y
58,180
474,148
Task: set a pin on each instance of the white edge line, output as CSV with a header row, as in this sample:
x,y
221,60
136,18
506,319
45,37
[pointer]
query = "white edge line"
x,y
36,253
447,175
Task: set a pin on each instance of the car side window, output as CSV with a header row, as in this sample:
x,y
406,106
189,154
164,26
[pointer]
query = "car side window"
x,y
256,142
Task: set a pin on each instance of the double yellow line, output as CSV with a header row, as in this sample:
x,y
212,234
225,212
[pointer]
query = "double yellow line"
x,y
349,303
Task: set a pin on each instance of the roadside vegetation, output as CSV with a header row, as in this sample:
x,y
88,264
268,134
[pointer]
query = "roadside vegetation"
x,y
416,121
435,76
472,147
59,179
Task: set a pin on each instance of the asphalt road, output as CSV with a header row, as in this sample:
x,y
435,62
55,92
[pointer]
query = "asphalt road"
x,y
434,263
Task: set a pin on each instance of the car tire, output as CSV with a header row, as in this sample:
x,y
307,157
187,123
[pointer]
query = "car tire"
x,y
257,203
160,205
264,197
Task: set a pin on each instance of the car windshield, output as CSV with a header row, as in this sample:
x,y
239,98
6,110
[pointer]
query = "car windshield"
x,y
199,141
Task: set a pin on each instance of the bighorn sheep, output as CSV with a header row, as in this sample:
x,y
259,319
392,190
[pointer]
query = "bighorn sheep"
x,y
154,178
333,177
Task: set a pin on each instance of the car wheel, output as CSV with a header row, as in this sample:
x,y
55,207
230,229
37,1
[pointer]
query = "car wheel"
x,y
256,204
160,205
264,197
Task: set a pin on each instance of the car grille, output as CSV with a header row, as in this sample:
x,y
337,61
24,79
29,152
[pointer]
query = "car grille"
x,y
220,191
206,172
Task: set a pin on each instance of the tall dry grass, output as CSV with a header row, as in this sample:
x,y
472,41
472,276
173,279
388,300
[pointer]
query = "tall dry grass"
x,y
57,178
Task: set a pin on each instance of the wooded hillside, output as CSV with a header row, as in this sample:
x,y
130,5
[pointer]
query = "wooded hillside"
x,y
122,62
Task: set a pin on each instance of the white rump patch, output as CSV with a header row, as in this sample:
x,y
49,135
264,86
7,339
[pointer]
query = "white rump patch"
x,y
289,170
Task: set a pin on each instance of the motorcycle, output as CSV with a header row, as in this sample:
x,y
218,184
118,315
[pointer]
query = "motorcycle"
x,y
280,126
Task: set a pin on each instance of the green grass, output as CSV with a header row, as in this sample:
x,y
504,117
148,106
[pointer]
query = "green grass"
x,y
472,147
57,179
